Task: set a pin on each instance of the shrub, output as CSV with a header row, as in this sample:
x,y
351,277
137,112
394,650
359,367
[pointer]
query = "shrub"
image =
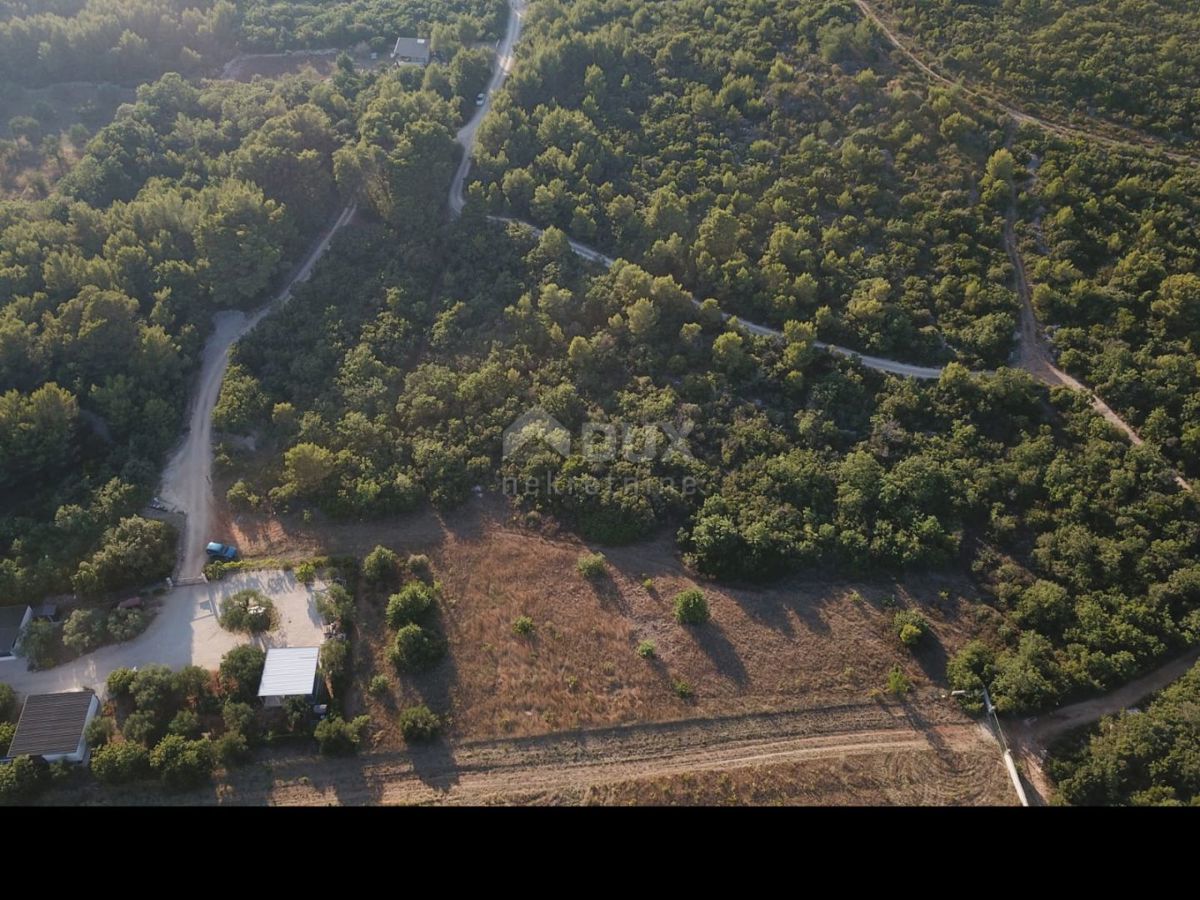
x,y
22,779
682,689
248,611
185,724
143,726
910,627
592,565
231,749
241,671
418,723
39,644
337,737
646,650
181,763
691,607
126,624
412,604
120,763
416,649
8,702
85,630
419,565
523,625
7,730
194,684
336,605
120,682
99,731
296,710
155,689
306,573
335,662
379,686
898,684
380,565
240,717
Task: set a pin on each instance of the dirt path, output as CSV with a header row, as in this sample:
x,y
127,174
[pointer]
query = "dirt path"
x,y
1131,142
187,480
562,767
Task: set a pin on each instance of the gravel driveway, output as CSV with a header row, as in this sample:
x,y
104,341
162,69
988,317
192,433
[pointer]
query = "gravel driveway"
x,y
185,632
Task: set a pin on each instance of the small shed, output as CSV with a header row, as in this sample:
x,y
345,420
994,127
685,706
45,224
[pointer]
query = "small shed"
x,y
53,726
411,50
289,672
13,622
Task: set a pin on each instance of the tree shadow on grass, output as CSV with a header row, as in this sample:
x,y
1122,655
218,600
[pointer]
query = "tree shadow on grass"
x,y
711,638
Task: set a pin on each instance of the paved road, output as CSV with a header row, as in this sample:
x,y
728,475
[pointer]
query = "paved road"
x,y
466,134
187,480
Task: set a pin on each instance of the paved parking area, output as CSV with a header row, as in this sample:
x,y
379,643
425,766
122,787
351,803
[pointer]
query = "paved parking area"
x,y
185,632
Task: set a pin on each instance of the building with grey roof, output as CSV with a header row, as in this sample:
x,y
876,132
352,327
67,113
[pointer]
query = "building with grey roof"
x,y
52,726
411,50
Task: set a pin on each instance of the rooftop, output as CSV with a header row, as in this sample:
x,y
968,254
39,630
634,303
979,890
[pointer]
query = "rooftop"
x,y
411,48
289,672
51,723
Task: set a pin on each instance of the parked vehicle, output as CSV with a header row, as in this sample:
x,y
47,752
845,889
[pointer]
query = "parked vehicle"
x,y
221,552
479,98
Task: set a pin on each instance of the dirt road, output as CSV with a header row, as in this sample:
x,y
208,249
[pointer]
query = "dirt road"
x,y
562,767
1129,142
187,481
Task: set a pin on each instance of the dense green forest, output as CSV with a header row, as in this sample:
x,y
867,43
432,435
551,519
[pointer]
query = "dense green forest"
x,y
189,203
1116,271
1136,64
767,160
1147,757
130,41
768,156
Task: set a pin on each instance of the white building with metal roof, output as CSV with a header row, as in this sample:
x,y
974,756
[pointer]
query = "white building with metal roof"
x,y
289,672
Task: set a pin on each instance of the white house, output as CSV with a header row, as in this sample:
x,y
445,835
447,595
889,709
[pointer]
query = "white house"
x,y
289,672
411,50
53,726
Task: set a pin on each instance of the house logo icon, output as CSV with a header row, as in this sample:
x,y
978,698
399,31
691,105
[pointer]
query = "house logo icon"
x,y
535,424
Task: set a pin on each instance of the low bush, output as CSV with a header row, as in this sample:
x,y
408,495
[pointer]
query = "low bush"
x,y
592,565
418,723
419,565
120,763
99,731
336,606
416,649
898,684
647,650
7,730
240,717
185,724
337,737
683,690
379,686
22,779
182,763
335,663
306,573
412,604
248,611
143,727
126,624
40,644
8,702
241,671
910,627
120,682
232,749
691,607
523,626
380,565
85,630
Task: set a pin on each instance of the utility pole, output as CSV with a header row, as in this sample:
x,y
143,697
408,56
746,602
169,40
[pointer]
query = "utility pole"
x,y
1009,763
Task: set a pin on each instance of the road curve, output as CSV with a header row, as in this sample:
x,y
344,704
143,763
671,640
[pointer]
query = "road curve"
x,y
187,480
466,134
